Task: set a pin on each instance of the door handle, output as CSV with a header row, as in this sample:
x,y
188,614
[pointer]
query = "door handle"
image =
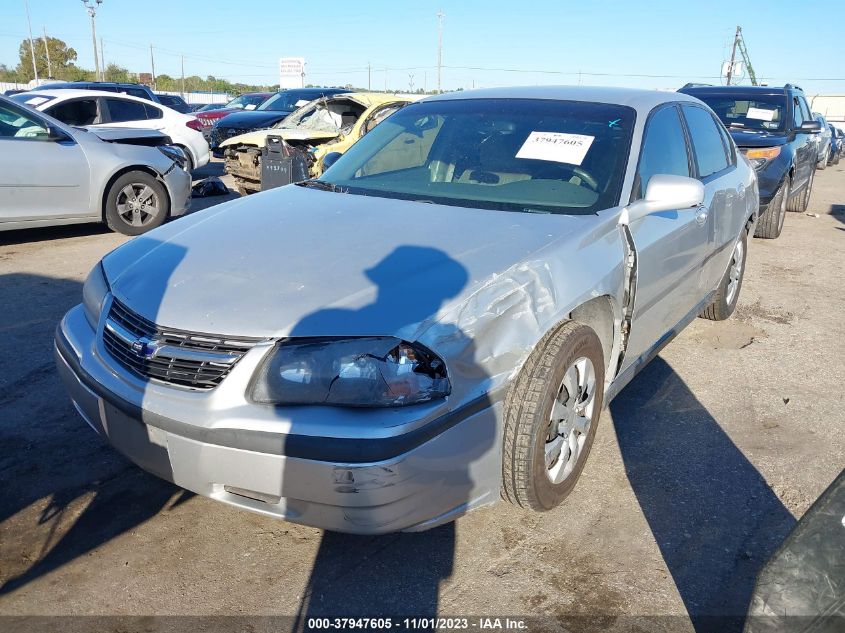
x,y
701,215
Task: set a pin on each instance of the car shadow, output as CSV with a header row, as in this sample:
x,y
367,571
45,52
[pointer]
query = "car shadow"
x,y
712,514
66,491
838,212
399,574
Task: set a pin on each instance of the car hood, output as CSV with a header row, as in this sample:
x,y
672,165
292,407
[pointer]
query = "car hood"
x,y
757,138
126,134
303,262
251,119
258,137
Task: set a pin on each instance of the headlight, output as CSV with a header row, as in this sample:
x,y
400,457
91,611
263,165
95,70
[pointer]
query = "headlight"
x,y
94,293
762,155
176,154
356,372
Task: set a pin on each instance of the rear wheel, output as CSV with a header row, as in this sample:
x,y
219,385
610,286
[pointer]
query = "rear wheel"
x,y
727,293
136,203
770,224
551,414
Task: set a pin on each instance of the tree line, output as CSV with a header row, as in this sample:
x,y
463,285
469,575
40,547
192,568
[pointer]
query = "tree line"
x,y
62,65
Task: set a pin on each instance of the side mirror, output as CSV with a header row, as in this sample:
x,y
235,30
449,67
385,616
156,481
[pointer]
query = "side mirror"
x,y
55,134
330,159
810,127
665,193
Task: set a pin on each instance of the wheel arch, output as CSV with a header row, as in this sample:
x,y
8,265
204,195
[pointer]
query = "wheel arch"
x,y
599,314
125,170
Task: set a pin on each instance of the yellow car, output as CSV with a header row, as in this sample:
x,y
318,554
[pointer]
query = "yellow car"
x,y
330,124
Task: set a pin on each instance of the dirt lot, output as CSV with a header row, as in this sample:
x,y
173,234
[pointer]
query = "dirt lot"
x,y
700,467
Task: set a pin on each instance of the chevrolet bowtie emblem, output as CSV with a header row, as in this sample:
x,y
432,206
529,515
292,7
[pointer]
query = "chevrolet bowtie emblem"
x,y
145,348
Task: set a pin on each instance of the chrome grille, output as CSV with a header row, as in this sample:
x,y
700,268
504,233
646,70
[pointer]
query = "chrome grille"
x,y
220,134
170,356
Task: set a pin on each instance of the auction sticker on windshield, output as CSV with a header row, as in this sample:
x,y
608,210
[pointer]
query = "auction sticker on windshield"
x,y
761,114
559,147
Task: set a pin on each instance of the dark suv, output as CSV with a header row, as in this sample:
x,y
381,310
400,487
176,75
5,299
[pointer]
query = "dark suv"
x,y
773,128
134,90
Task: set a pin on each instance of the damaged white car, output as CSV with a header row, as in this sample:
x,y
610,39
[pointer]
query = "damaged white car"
x,y
439,319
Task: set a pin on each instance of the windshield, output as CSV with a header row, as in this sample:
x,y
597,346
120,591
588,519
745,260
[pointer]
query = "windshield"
x,y
509,154
763,112
246,102
284,102
324,115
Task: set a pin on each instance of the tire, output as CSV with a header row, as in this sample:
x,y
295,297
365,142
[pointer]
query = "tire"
x,y
727,295
770,224
800,201
134,216
822,164
569,354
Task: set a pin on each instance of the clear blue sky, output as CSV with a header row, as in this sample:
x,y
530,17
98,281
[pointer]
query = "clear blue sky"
x,y
243,39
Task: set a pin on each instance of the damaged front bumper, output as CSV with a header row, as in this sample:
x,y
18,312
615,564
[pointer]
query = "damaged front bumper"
x,y
178,183
412,481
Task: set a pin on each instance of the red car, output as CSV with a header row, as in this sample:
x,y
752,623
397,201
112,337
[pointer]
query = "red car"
x,y
248,101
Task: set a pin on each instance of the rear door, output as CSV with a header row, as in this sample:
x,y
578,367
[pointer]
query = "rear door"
x,y
671,246
715,167
131,113
39,178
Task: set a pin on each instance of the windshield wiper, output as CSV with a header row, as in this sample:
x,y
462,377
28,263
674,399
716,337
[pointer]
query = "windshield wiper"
x,y
319,184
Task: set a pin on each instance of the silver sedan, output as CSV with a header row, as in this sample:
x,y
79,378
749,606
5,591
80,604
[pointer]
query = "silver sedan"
x,y
439,321
51,174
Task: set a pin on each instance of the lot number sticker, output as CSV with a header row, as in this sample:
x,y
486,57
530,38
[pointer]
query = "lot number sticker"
x,y
761,114
556,146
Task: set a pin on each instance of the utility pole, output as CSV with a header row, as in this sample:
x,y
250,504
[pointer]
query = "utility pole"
x,y
31,45
92,6
103,59
410,82
733,56
440,16
369,77
153,66
183,76
47,50
385,78
425,82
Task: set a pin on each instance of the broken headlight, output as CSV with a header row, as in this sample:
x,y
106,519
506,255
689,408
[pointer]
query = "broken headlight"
x,y
354,372
94,292
176,154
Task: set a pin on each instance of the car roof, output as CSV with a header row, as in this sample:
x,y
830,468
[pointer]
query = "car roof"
x,y
632,97
733,90
71,93
374,98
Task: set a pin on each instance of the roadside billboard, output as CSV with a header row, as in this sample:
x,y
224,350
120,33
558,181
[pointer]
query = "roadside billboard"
x,y
291,72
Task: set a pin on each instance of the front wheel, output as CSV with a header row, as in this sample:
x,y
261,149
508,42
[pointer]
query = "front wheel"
x,y
727,293
770,224
551,414
136,203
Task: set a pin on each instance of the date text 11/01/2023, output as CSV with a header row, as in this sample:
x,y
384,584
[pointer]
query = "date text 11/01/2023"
x,y
372,624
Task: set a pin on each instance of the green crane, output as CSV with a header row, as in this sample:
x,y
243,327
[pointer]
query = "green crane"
x,y
739,43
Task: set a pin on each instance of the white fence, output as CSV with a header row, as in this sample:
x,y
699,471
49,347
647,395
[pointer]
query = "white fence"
x,y
831,107
190,97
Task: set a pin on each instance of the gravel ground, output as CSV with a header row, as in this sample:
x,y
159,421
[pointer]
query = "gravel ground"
x,y
700,467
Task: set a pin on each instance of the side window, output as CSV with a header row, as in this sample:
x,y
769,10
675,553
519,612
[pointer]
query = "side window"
x,y
728,141
664,149
152,111
380,115
707,143
76,112
134,92
124,110
805,109
16,124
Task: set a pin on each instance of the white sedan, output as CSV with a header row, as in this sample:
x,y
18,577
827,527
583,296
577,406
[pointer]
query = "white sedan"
x,y
109,109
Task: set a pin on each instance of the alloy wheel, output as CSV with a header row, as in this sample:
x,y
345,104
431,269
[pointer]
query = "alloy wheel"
x,y
570,419
138,204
